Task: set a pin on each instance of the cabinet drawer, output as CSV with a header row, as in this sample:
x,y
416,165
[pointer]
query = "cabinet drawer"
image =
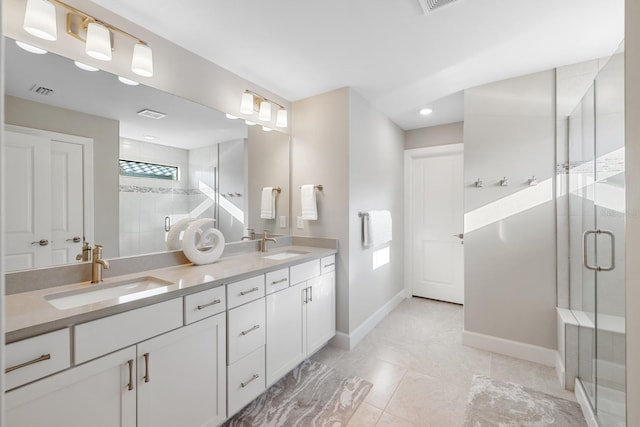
x,y
245,380
204,304
37,357
328,264
98,337
302,272
246,330
244,291
277,280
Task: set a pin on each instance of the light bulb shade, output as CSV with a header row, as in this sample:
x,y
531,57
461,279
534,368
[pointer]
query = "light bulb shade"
x,y
98,44
31,48
265,111
246,104
266,129
40,19
281,118
142,60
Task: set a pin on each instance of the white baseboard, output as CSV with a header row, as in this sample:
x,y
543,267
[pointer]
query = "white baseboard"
x,y
520,350
349,341
560,370
587,411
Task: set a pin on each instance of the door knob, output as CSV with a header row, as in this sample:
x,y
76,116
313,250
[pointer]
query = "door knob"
x,y
43,242
74,240
459,236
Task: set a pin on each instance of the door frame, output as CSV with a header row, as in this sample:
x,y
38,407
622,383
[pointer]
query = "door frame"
x,y
87,168
409,156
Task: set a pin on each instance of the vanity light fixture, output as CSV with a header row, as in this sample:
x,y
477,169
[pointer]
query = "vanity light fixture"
x,y
252,102
31,48
128,81
249,123
40,21
85,67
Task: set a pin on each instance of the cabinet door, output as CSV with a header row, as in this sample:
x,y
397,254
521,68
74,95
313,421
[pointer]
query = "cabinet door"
x,y
95,394
321,308
286,331
182,376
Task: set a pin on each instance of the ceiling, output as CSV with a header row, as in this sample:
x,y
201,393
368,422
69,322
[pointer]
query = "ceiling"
x,y
391,52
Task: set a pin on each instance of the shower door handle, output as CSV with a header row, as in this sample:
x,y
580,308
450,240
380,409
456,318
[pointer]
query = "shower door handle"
x,y
585,258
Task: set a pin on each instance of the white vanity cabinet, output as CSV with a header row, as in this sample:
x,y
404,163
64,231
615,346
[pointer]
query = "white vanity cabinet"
x,y
301,318
100,393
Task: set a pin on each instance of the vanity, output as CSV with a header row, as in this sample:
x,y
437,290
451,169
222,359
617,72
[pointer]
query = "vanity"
x,y
191,349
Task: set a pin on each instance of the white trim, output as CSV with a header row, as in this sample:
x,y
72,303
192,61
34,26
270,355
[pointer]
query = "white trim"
x,y
587,411
560,369
409,156
520,350
87,168
349,341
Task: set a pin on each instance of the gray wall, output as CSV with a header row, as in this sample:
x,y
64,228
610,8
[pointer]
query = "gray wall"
x,y
105,134
341,142
632,125
376,182
450,133
510,263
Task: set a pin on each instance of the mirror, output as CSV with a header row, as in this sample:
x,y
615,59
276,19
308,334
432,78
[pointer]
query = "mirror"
x,y
199,164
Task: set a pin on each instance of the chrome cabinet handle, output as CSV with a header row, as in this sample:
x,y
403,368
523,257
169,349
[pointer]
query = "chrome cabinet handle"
x,y
253,328
585,258
130,385
306,296
30,362
275,282
243,293
311,293
247,382
147,377
214,302
167,223
330,265
74,240
43,242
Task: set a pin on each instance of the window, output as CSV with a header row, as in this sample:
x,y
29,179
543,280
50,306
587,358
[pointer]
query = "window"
x,y
148,170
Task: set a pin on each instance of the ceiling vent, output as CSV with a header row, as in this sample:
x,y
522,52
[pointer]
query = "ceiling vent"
x,y
151,114
431,5
41,90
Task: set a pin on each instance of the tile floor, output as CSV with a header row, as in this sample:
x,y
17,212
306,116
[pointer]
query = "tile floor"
x,y
420,371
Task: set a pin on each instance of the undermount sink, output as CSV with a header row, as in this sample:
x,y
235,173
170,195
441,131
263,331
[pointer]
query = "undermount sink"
x,y
124,291
284,255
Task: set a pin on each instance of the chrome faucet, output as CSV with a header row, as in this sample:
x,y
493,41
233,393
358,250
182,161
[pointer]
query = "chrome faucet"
x,y
251,236
97,264
264,240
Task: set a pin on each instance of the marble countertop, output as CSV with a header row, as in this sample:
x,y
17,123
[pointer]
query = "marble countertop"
x,y
29,314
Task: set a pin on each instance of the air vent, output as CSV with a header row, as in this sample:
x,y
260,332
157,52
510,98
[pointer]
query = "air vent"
x,y
42,90
430,5
151,114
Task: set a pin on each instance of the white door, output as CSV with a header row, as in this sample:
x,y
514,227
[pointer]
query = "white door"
x,y
44,198
436,223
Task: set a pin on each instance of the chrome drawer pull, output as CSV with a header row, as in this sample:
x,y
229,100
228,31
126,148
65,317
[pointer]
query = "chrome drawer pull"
x,y
130,385
214,302
243,293
279,281
30,362
246,383
329,265
249,330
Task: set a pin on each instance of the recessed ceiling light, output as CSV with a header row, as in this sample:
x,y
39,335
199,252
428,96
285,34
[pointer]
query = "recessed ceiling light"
x,y
249,123
31,48
85,67
149,137
128,81
425,111
231,116
151,114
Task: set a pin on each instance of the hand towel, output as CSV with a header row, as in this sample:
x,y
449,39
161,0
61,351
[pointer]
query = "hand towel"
x,y
268,203
308,201
377,227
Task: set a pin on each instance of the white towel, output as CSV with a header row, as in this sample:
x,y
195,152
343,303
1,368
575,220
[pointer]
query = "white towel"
x,y
377,227
268,203
308,201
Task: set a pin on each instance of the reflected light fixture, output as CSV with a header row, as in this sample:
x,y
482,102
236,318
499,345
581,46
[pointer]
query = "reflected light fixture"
x,y
231,116
40,20
98,43
281,118
246,104
249,123
31,48
266,129
128,81
85,67
265,111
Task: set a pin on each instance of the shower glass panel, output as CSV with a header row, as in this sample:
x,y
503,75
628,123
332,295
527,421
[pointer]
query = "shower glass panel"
x,y
596,221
